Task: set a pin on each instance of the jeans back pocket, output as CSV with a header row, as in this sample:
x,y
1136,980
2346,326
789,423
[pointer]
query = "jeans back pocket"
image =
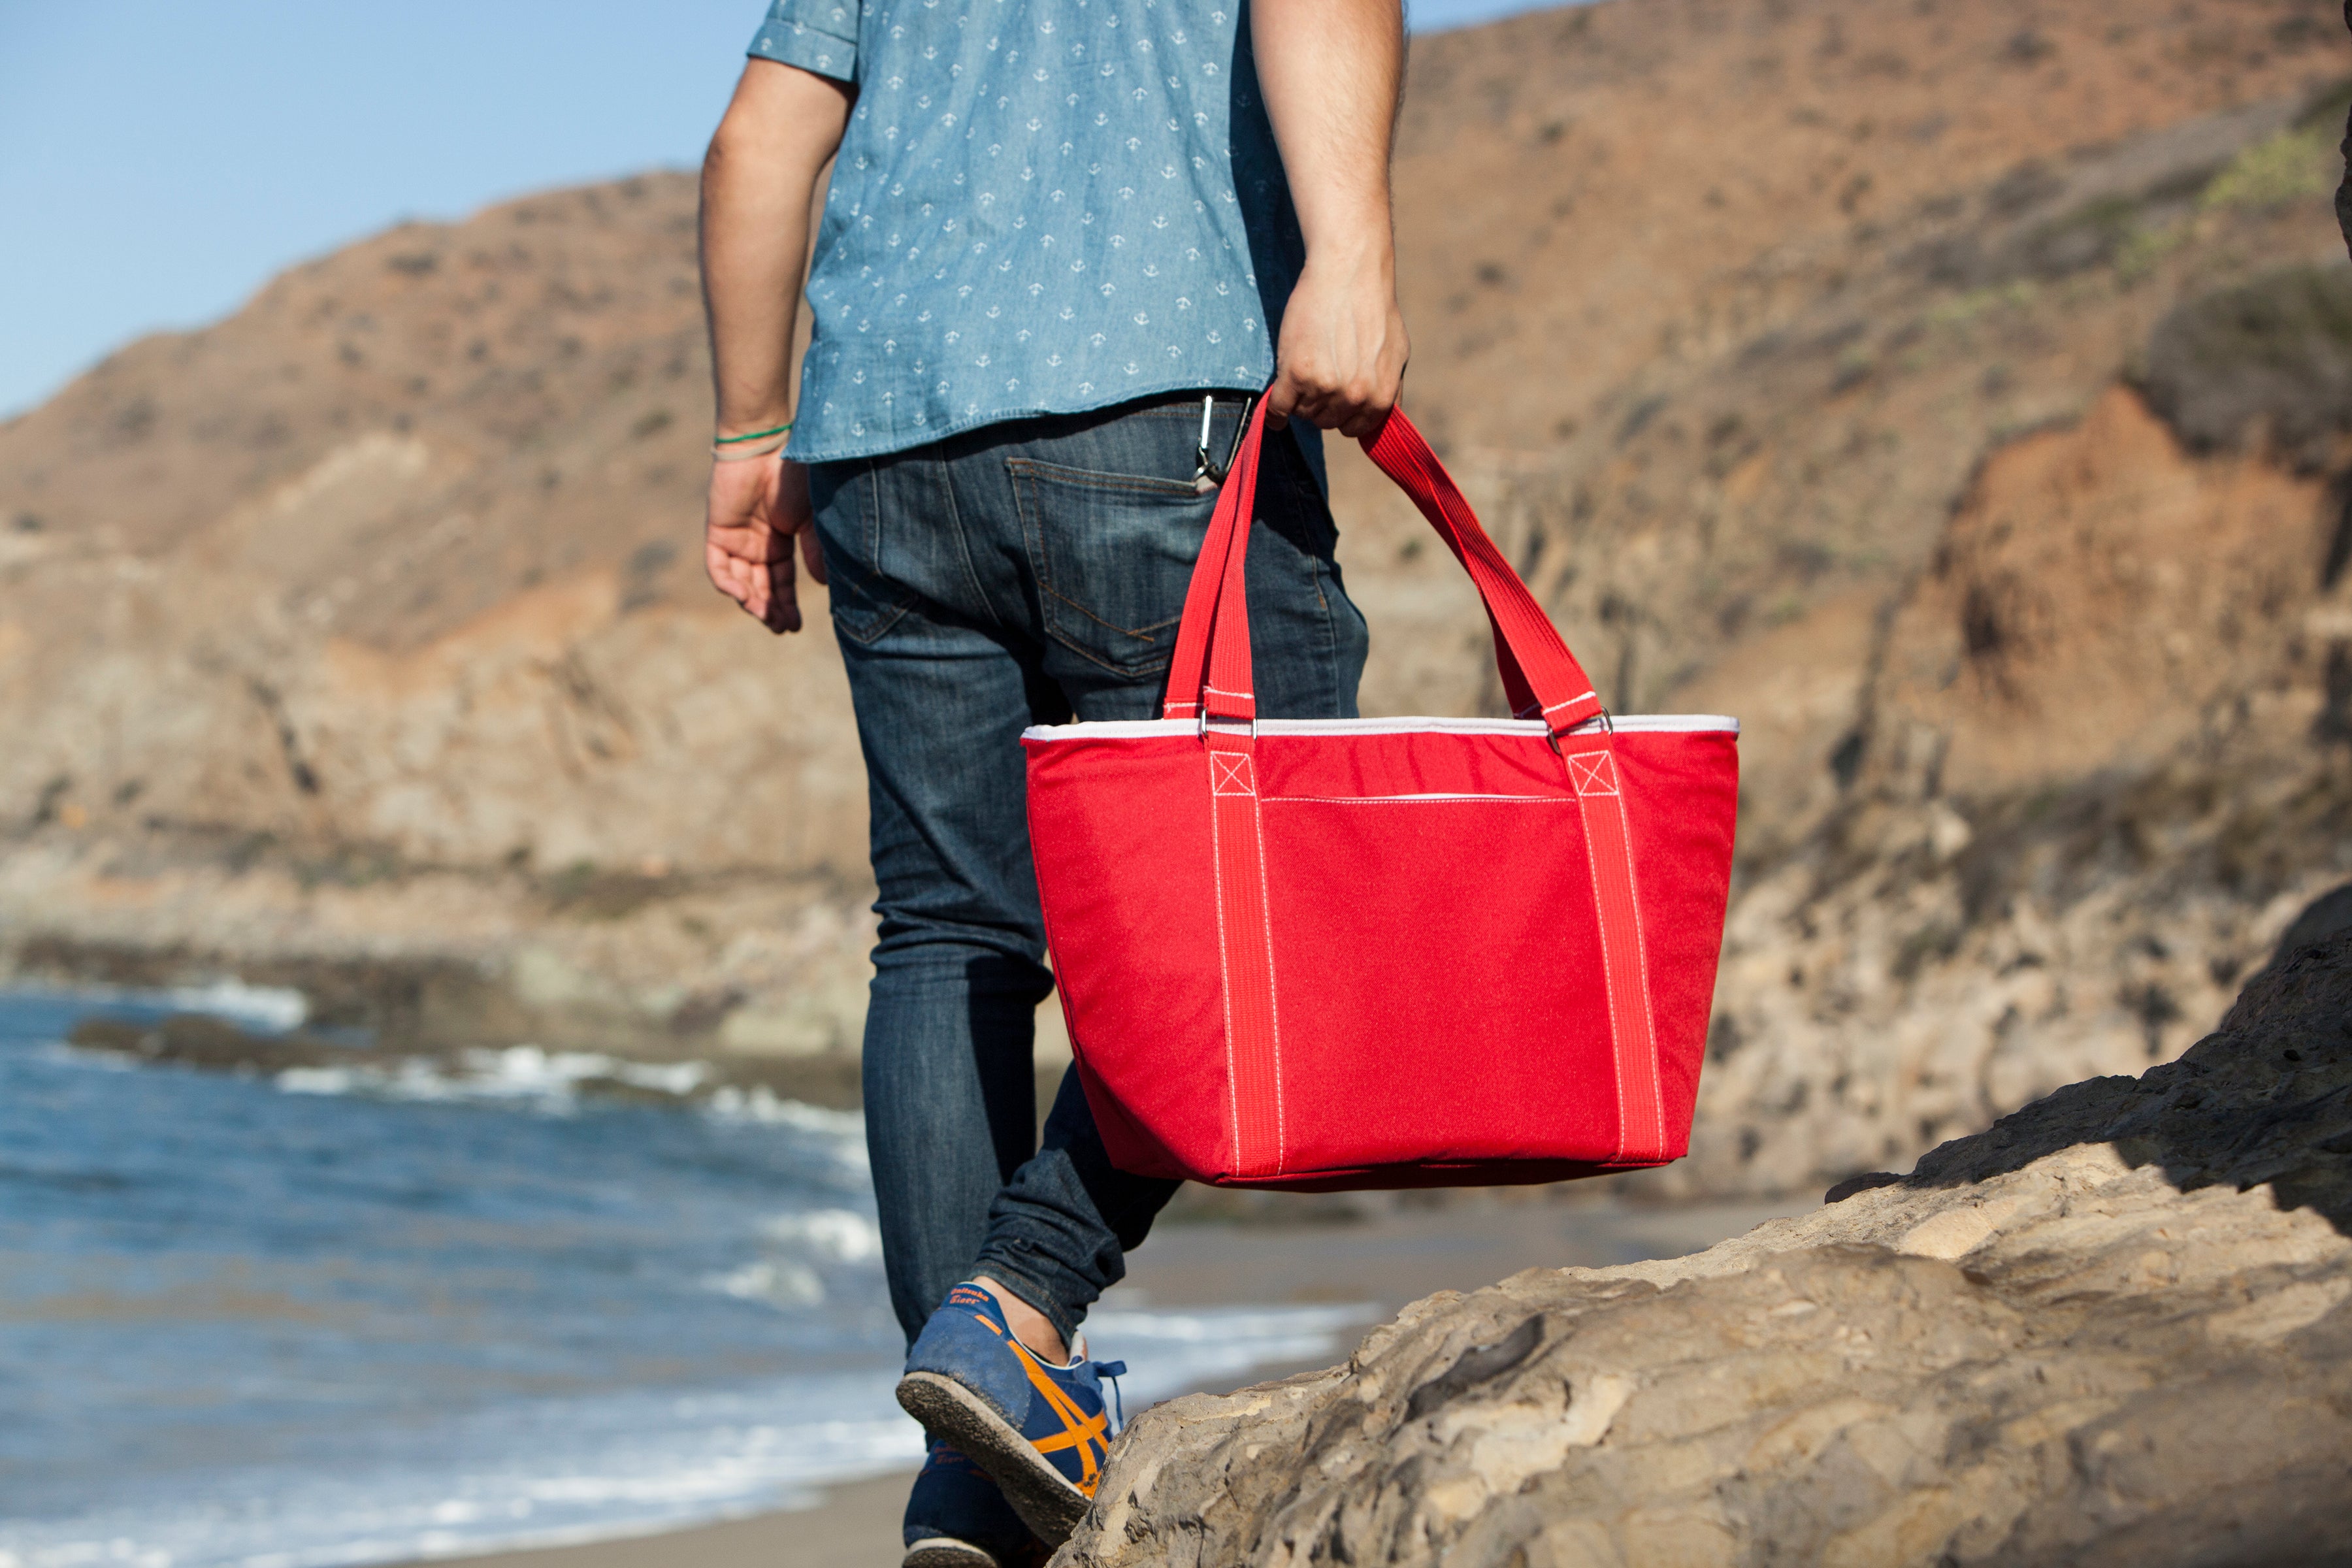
x,y
846,501
1113,554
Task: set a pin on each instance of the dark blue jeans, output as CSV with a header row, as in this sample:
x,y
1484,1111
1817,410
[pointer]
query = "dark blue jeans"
x,y
1026,573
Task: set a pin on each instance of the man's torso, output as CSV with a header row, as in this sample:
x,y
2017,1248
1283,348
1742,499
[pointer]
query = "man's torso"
x,y
1039,207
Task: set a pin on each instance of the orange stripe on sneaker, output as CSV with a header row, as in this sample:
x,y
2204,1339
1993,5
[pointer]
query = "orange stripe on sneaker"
x,y
1079,1430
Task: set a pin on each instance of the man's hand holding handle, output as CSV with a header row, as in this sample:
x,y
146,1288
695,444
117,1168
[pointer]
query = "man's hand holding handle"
x,y
1332,72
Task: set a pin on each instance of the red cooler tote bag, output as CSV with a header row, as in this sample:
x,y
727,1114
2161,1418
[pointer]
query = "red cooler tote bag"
x,y
1372,952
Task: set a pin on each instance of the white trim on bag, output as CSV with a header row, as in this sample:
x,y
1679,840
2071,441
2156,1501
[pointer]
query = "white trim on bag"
x,y
1140,729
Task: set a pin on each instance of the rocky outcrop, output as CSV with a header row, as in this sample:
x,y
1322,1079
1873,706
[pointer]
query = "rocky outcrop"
x,y
2092,770
2115,1328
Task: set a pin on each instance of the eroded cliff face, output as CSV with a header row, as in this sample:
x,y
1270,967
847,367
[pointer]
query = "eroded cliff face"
x,y
2092,773
2114,1329
444,482
1810,358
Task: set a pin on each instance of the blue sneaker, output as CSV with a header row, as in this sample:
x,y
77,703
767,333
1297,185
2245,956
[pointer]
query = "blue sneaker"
x,y
957,1518
1040,1432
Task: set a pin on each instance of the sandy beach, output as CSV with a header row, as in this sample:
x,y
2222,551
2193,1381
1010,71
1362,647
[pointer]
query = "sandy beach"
x,y
1383,1262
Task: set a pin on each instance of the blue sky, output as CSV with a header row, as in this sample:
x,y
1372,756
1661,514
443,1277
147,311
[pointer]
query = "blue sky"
x,y
158,162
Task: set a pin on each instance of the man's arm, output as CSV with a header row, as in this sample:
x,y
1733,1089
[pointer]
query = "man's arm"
x,y
1332,71
759,181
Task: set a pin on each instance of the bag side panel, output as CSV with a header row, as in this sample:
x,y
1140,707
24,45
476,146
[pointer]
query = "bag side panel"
x,y
1120,832
1682,799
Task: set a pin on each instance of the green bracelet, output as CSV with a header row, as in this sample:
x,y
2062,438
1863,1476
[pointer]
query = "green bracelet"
x,y
754,435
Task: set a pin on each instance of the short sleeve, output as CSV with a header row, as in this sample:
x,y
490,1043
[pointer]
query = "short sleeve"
x,y
818,36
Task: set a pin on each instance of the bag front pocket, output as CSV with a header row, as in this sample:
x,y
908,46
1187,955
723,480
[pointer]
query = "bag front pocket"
x,y
1113,554
1430,1009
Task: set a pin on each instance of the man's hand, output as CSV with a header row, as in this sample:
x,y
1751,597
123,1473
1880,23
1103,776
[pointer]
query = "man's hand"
x,y
1332,71
755,510
759,180
1342,354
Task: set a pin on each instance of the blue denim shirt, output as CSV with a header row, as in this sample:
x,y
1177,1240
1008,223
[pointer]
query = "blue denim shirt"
x,y
1040,206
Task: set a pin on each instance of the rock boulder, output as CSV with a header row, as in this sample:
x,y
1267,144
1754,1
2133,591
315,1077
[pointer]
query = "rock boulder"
x,y
2112,1329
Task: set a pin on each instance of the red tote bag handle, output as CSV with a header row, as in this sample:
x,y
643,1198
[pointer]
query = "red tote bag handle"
x,y
1209,679
1210,676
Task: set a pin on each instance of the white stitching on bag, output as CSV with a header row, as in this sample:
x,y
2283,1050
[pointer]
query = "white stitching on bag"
x,y
1225,990
1273,998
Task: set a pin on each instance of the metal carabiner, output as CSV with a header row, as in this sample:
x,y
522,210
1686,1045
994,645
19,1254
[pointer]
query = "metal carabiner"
x,y
1208,475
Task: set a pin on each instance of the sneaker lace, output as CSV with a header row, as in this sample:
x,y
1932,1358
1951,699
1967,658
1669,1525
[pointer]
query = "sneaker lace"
x,y
1114,1370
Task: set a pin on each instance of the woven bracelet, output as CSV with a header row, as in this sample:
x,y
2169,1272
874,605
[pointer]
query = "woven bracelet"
x,y
785,428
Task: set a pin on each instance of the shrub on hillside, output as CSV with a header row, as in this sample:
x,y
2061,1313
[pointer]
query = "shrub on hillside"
x,y
2267,361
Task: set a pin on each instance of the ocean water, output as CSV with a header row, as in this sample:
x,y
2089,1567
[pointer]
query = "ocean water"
x,y
348,1317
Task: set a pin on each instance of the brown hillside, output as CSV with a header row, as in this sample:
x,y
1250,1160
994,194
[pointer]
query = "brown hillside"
x,y
1597,202
1906,379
